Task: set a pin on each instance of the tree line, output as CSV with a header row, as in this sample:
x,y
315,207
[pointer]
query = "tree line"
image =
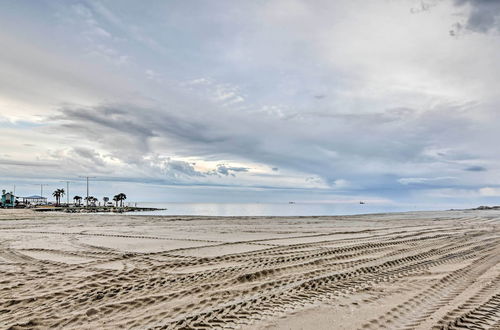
x,y
119,198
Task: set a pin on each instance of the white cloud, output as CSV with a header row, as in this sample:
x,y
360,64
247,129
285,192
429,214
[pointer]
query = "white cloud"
x,y
489,191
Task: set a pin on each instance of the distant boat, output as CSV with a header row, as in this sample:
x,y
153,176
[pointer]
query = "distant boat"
x,y
361,202
291,202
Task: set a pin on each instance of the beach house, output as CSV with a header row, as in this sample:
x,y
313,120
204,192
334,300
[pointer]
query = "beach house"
x,y
8,199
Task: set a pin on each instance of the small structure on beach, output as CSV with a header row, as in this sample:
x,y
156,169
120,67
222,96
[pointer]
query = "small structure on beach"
x,y
34,200
8,199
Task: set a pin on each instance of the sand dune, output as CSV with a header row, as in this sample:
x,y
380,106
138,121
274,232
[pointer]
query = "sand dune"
x,y
422,270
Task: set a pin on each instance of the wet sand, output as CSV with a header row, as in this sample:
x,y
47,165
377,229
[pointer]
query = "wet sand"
x,y
420,270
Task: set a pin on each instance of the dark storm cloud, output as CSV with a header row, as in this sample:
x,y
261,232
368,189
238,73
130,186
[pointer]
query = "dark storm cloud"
x,y
484,15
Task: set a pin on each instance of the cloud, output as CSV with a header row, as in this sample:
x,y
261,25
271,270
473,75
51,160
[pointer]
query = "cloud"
x,y
242,89
419,147
153,75
476,169
177,168
407,181
89,155
341,183
423,6
32,164
229,170
489,191
483,15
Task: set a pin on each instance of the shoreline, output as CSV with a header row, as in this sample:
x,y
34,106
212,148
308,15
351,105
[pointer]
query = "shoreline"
x,y
95,209
256,210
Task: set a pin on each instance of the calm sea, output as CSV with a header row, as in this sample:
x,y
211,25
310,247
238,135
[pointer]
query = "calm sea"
x,y
267,209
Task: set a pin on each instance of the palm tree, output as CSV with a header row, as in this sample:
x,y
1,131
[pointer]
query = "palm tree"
x,y
105,200
61,194
119,198
122,197
58,193
77,199
91,200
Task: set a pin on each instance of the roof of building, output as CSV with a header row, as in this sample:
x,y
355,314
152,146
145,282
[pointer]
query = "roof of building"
x,y
34,197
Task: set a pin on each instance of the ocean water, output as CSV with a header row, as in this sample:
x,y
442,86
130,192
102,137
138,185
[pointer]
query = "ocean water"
x,y
266,209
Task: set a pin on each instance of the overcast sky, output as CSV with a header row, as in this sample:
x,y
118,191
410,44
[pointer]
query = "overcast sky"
x,y
388,101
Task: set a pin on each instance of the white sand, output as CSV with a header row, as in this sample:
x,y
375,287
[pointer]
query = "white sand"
x,y
419,270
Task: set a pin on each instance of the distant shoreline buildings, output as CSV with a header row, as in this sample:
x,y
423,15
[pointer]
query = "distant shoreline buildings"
x,y
10,200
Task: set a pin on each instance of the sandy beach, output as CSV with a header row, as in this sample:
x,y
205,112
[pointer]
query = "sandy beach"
x,y
421,270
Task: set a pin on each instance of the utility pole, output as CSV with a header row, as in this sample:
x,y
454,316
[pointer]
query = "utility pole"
x,y
41,188
87,177
67,191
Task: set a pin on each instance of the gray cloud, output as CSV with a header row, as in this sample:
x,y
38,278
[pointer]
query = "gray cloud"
x,y
34,164
476,169
178,167
484,15
407,181
326,110
89,155
229,170
423,6
319,143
